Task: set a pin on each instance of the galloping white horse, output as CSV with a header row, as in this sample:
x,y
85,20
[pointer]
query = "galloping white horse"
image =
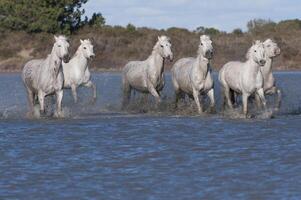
x,y
76,71
193,75
244,77
271,50
45,76
147,76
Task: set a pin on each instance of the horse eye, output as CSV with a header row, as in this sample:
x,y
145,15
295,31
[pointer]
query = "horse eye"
x,y
202,44
162,46
85,47
255,51
59,46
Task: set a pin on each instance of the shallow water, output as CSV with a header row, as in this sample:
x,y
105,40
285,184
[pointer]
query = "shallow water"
x,y
99,152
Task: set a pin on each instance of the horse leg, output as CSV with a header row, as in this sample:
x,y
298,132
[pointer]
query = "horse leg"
x,y
245,97
144,98
154,92
260,93
279,97
232,97
258,101
30,96
59,97
177,97
210,94
41,97
227,97
74,92
126,94
275,90
90,84
197,100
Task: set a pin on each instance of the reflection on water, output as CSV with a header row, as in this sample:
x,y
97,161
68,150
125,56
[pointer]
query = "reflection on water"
x,y
103,153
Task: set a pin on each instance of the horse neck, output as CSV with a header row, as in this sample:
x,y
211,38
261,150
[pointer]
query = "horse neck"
x,y
157,62
202,64
252,68
267,69
82,61
53,64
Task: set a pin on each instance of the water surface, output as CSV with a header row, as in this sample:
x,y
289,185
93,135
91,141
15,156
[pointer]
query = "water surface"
x,y
99,152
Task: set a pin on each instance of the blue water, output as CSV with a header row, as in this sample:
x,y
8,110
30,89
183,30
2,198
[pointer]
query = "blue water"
x,y
99,152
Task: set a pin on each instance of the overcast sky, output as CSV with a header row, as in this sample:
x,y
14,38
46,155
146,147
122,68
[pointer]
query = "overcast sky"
x,y
222,14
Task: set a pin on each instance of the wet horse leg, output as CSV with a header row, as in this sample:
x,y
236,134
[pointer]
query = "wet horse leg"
x,y
41,97
197,100
90,84
74,93
275,90
31,100
59,97
210,94
126,94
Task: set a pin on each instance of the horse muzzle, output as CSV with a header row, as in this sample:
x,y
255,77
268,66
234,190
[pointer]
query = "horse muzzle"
x,y
262,62
92,56
170,57
209,54
66,58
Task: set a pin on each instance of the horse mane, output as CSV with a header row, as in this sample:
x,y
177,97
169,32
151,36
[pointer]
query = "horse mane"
x,y
62,37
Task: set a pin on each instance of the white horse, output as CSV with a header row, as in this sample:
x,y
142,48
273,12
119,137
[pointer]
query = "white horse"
x,y
271,50
147,76
193,75
76,71
244,77
44,77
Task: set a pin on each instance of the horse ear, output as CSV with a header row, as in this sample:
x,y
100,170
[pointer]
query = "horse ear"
x,y
81,41
159,38
56,38
256,42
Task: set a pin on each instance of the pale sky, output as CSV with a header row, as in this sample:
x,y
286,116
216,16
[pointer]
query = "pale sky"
x,y
222,14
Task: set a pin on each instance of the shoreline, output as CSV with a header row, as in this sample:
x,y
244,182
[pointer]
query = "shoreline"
x,y
111,70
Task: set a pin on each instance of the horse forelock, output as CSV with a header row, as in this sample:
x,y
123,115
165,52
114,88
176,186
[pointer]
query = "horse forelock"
x,y
203,39
62,37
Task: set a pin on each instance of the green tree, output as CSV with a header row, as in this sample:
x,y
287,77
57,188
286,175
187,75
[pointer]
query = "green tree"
x,y
97,20
131,28
41,15
237,32
211,31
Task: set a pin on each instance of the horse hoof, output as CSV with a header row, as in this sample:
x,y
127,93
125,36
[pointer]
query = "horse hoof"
x,y
93,101
212,110
249,116
58,115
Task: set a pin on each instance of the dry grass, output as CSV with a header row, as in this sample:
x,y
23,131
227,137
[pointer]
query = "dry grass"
x,y
115,46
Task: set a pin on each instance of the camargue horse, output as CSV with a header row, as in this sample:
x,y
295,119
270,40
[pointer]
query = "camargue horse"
x,y
147,76
44,77
193,75
76,71
244,77
271,50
